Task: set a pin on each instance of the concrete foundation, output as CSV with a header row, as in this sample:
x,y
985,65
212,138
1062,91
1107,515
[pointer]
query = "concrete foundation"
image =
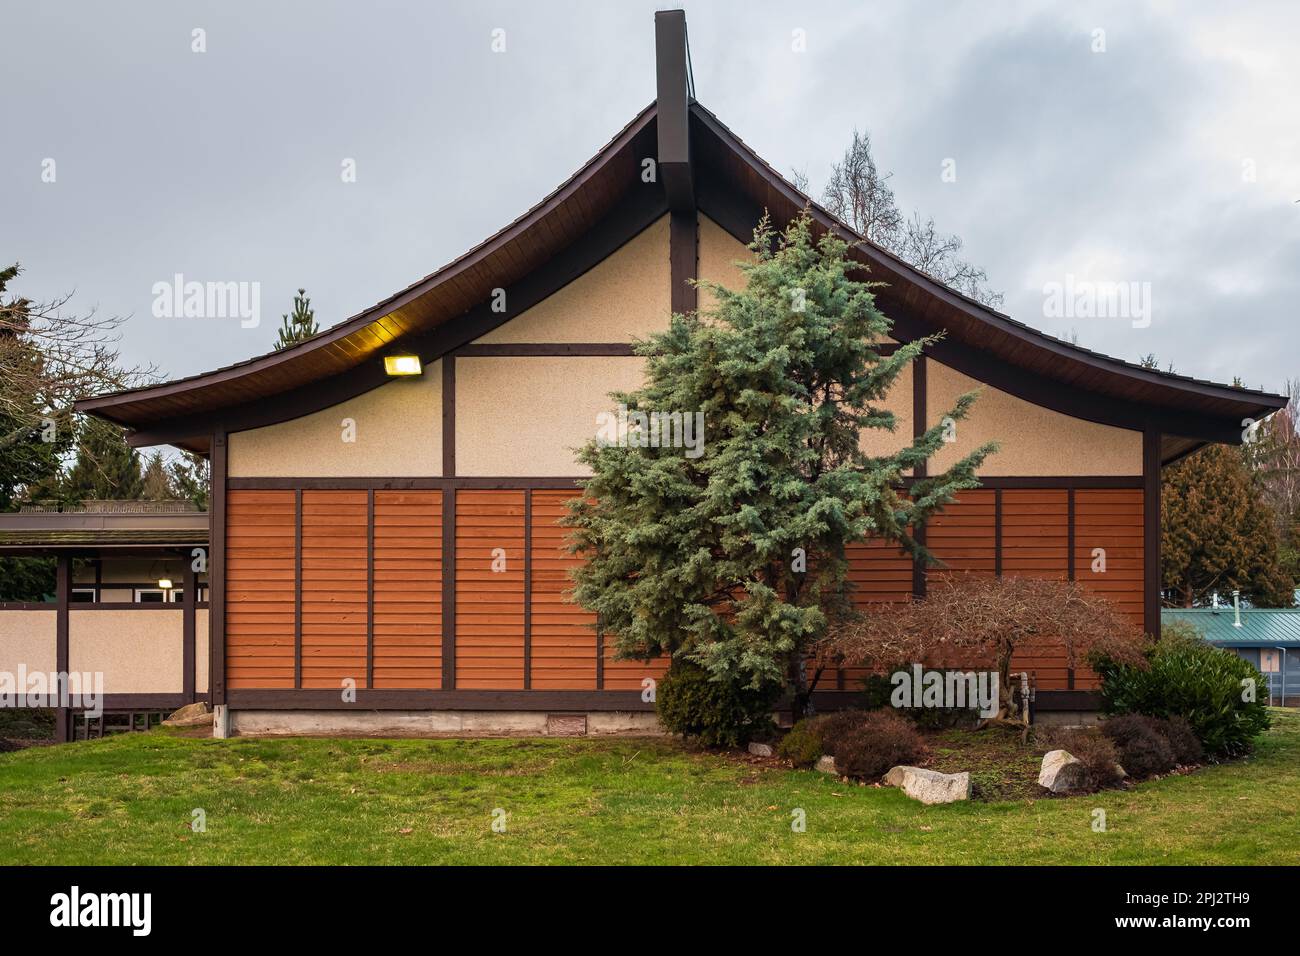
x,y
1067,718
221,721
439,723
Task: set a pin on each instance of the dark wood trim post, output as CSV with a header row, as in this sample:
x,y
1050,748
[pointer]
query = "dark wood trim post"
x,y
448,587
528,589
297,588
920,408
189,600
217,571
62,595
997,533
920,416
1069,563
448,416
370,588
683,259
1151,578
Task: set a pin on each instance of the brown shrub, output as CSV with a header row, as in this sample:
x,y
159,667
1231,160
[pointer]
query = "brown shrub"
x,y
1143,748
870,743
1095,752
1182,740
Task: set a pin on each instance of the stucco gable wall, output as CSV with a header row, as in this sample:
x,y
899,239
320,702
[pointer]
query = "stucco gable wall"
x,y
398,433
625,296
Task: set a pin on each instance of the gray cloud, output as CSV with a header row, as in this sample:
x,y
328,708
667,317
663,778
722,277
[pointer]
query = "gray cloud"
x,y
225,165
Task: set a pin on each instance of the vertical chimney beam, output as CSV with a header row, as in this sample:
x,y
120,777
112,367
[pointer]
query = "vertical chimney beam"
x,y
672,95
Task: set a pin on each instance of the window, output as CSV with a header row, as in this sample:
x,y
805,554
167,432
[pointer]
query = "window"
x,y
1269,661
82,596
150,596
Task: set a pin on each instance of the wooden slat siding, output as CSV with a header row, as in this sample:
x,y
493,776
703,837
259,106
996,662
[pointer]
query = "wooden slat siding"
x,y
334,588
1036,543
963,535
1036,533
563,634
489,605
628,675
259,575
879,573
408,590
1111,520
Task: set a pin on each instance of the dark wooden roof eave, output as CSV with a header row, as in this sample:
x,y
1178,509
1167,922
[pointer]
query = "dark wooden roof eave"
x,y
1191,410
353,341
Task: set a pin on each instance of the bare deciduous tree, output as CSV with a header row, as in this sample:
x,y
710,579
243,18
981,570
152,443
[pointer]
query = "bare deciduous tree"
x,y
50,357
858,193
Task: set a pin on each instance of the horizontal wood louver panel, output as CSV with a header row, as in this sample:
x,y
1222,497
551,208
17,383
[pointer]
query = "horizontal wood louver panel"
x,y
878,572
334,588
259,569
1036,543
630,674
1110,520
1036,533
489,603
964,535
563,635
408,589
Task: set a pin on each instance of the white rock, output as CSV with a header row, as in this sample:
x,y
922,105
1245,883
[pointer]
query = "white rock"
x,y
1062,772
930,786
761,750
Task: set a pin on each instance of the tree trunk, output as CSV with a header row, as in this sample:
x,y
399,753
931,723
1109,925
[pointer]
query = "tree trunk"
x,y
801,705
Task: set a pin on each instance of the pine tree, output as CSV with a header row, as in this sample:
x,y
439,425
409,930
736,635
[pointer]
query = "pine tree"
x,y
190,477
155,482
1216,532
300,325
732,554
106,466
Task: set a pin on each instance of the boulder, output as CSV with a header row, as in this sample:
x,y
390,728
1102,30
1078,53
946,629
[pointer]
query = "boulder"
x,y
1062,772
191,715
760,750
930,786
826,764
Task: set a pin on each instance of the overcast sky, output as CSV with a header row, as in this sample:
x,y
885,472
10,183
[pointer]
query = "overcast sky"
x,y
1165,150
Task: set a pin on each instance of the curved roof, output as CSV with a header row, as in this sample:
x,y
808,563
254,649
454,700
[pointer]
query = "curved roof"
x,y
734,186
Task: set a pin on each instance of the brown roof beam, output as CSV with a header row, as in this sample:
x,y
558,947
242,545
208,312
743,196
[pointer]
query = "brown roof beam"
x,y
673,94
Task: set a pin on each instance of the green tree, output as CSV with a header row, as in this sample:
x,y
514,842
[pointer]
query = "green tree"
x,y
299,325
1273,454
155,480
731,552
1216,532
32,438
106,467
190,477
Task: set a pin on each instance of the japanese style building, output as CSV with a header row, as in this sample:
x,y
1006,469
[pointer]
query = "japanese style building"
x,y
369,562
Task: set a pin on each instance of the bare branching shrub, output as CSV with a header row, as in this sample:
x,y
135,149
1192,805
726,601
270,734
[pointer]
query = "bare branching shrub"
x,y
967,617
880,739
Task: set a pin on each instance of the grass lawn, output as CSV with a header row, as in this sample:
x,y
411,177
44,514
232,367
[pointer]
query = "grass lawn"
x,y
128,799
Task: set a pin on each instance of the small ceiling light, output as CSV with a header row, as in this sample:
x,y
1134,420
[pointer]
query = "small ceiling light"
x,y
402,364
165,583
